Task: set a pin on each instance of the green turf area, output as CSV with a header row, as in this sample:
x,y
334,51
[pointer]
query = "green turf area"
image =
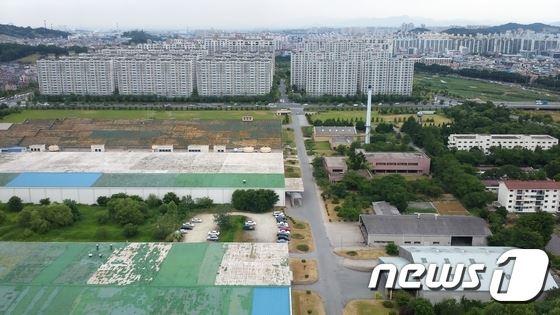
x,y
138,114
56,278
192,180
477,89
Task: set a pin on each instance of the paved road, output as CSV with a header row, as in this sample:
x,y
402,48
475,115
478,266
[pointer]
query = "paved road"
x,y
337,284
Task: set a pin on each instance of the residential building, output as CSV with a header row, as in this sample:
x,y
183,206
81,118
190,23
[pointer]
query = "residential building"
x,y
336,167
79,75
387,76
529,196
398,162
506,141
424,230
454,255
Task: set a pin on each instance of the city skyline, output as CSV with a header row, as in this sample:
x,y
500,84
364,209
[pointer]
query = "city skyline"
x,y
252,14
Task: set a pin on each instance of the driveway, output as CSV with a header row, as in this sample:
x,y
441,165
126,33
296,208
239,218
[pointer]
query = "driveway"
x,y
200,231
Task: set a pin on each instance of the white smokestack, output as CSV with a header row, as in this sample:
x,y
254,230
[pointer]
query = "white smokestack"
x,y
368,115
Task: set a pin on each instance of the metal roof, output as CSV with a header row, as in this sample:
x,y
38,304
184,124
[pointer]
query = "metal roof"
x,y
425,224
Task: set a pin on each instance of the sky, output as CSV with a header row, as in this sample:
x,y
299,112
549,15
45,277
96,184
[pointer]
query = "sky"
x,y
244,14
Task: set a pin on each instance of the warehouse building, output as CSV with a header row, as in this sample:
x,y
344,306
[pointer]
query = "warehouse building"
x,y
85,176
325,133
424,230
454,255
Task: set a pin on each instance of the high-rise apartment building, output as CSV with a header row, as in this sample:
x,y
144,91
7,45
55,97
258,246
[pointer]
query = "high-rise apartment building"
x,y
348,66
76,75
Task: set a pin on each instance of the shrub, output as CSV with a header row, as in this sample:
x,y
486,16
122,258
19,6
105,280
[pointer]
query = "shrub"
x,y
392,249
14,204
102,201
352,253
130,230
170,196
259,200
388,304
45,202
297,236
302,247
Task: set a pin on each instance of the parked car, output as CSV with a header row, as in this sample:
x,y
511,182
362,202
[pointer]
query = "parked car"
x,y
283,231
282,224
213,232
250,222
187,226
283,237
248,227
281,240
212,237
277,213
196,220
183,231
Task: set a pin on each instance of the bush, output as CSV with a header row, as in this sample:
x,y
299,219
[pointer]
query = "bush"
x,y
392,249
130,230
153,201
170,196
41,219
45,202
204,203
302,247
388,304
14,204
102,201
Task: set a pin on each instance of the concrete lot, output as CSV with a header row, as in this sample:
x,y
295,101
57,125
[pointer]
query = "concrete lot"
x,y
342,234
200,231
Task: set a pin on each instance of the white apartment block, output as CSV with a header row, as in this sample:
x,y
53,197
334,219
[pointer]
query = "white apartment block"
x,y
529,196
234,76
76,75
485,142
387,76
168,76
339,72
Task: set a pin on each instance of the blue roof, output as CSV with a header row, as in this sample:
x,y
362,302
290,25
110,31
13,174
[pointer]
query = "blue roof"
x,y
54,180
271,301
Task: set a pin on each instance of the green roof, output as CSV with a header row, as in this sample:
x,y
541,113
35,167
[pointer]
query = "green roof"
x,y
5,178
191,180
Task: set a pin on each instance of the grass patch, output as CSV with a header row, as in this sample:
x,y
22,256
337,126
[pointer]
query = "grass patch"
x,y
288,137
359,254
307,303
302,239
292,171
376,117
138,114
307,131
302,247
234,233
366,307
304,271
486,91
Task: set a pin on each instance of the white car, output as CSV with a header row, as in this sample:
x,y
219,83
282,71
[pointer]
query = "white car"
x,y
277,213
183,231
196,220
212,238
250,222
217,233
282,231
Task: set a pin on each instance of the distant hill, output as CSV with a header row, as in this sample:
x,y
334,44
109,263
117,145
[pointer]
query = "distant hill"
x,y
536,27
29,32
140,37
419,30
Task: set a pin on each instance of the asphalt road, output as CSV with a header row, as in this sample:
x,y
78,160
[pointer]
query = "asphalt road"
x,y
337,284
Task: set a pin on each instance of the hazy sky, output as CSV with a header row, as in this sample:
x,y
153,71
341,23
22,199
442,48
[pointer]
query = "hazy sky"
x,y
181,14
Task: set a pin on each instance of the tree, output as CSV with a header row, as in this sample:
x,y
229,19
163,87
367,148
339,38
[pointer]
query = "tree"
x,y
260,200
45,202
421,307
14,204
73,205
392,249
223,221
41,219
356,161
102,201
153,201
170,196
130,230
449,307
125,211
204,202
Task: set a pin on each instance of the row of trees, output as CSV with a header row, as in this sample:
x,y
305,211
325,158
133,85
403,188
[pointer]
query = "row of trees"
x,y
258,201
495,75
11,51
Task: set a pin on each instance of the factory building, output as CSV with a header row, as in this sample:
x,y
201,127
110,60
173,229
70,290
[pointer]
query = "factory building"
x,y
85,176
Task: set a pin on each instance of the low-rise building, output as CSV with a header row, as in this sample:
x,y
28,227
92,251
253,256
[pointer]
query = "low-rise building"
x,y
384,208
424,230
325,133
454,255
398,162
346,141
507,141
336,167
529,196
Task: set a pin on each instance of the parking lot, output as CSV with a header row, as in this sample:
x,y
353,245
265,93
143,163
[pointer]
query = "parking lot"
x,y
265,231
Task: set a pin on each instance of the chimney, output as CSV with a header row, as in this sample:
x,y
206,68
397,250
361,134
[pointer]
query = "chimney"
x,y
368,115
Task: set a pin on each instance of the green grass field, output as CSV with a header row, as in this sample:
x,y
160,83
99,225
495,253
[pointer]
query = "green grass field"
x,y
137,114
475,89
361,114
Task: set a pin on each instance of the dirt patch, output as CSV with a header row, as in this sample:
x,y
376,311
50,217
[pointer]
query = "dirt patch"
x,y
365,307
307,303
331,214
304,271
301,237
450,208
361,254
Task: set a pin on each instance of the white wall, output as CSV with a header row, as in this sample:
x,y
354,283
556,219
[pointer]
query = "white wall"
x,y
89,195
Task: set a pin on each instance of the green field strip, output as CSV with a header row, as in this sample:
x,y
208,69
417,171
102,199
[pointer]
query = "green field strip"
x,y
194,180
181,266
211,263
241,301
52,271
